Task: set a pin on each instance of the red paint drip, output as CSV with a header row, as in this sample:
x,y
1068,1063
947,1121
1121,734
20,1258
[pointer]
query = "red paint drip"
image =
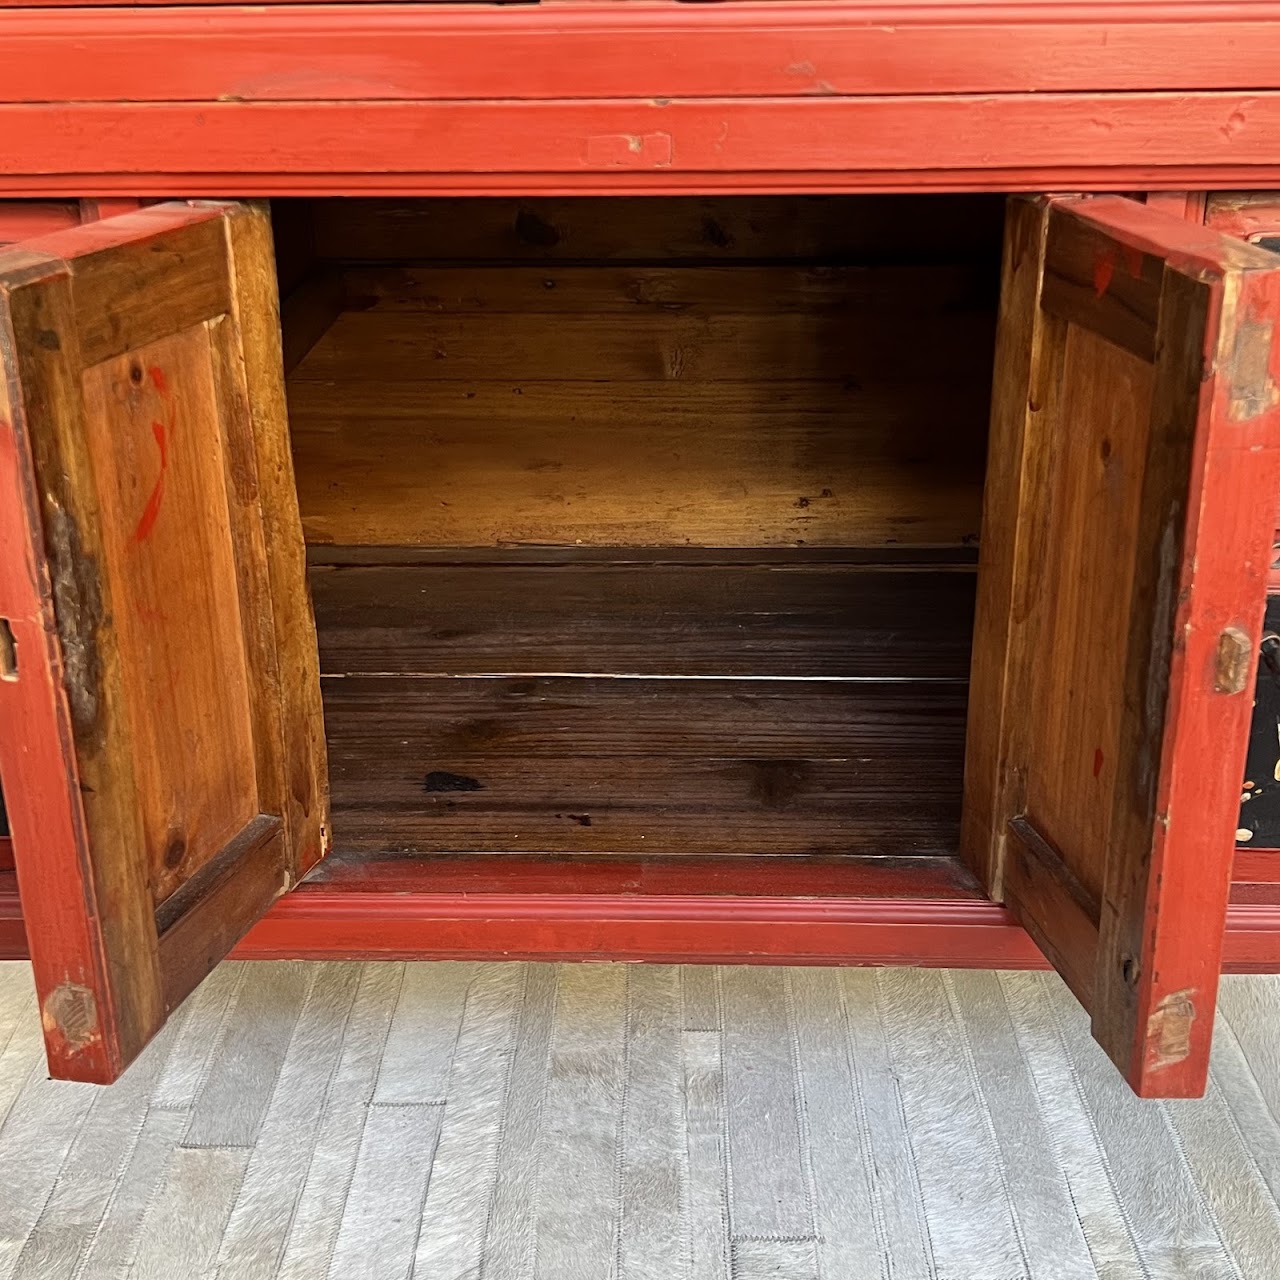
x,y
158,380
1104,267
151,512
1097,762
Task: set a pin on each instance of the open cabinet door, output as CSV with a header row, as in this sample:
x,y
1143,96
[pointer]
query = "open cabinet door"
x,y
1134,467
162,746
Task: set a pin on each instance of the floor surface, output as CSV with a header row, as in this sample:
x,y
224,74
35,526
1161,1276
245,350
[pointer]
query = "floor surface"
x,y
503,1122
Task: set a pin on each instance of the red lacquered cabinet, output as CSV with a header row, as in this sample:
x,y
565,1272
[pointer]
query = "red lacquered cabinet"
x,y
752,482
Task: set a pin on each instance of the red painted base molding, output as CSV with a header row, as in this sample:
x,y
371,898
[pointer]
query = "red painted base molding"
x,y
375,914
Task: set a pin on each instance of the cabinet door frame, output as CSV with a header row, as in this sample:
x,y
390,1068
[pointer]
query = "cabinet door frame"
x,y
1123,878
117,940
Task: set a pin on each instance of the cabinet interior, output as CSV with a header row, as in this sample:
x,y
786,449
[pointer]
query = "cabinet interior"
x,y
642,526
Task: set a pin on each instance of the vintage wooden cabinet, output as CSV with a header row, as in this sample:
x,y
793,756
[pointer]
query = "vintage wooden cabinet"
x,y
640,481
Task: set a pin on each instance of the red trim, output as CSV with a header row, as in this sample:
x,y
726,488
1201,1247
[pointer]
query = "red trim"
x,y
1015,141
1189,205
22,219
1247,218
1256,866
97,210
43,798
13,934
667,929
640,50
317,921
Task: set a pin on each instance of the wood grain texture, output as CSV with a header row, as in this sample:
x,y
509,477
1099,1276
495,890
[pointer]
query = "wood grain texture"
x,y
609,385
796,620
1006,550
662,767
800,763
1113,292
158,735
1095,429
307,312
599,51
255,307
819,143
929,559
152,425
702,345
656,464
880,1072
746,876
100,965
1127,560
905,283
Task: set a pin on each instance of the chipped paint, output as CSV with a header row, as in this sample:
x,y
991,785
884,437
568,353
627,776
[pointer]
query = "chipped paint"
x,y
1232,661
77,600
1169,1029
70,1014
1251,389
630,150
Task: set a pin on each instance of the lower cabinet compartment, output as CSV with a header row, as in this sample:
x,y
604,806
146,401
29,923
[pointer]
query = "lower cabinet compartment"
x,y
642,528
636,708
624,594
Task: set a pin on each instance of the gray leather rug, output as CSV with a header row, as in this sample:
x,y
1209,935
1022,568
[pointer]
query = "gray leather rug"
x,y
498,1122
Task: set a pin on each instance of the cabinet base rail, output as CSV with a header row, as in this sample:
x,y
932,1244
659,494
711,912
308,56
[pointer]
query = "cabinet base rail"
x,y
939,922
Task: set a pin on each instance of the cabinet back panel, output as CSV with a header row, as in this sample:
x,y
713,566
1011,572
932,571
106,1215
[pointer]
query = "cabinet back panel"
x,y
559,766
834,394
674,386
644,709
705,620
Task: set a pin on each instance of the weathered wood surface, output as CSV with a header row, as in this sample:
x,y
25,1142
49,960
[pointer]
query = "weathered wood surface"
x,y
727,407
164,775
1121,588
790,621
633,766
766,720
649,463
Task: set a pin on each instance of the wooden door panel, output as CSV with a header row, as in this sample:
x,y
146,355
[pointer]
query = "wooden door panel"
x,y
168,752
1134,458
